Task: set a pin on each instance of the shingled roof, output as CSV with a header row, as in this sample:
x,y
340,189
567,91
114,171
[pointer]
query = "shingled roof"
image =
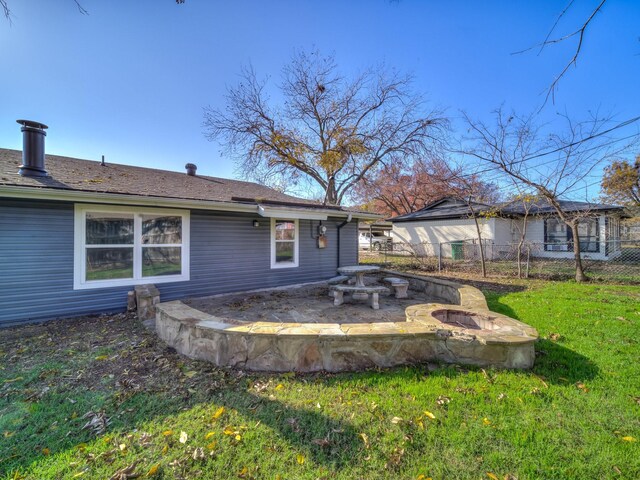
x,y
73,174
450,208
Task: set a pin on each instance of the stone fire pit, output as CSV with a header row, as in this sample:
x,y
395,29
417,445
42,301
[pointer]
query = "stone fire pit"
x,y
455,326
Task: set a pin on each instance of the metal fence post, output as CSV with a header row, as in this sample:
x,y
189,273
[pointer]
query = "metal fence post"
x,y
526,272
439,256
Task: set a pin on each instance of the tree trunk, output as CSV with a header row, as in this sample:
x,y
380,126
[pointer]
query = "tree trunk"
x,y
482,262
521,243
580,276
331,195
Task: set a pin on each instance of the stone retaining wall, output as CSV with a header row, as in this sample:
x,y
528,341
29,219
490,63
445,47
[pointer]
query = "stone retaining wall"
x,y
311,347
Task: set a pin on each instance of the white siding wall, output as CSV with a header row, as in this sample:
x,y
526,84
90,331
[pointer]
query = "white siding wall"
x,y
499,231
438,231
503,229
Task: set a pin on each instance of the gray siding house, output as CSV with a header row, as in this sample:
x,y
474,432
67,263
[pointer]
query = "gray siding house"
x,y
77,235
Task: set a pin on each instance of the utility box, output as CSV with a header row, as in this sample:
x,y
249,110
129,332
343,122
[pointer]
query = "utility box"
x,y
457,250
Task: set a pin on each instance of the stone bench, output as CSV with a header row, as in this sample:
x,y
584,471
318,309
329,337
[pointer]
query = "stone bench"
x,y
339,290
399,285
336,281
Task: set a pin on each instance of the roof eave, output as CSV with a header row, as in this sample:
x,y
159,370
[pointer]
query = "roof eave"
x,y
37,193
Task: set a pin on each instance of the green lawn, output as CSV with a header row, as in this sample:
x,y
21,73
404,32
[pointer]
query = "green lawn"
x,y
575,416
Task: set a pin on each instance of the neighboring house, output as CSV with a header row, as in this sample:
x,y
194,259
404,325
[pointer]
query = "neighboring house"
x,y
450,220
76,238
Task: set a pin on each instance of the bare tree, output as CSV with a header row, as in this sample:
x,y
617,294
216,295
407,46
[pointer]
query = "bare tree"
x,y
4,5
553,165
328,130
474,216
578,34
525,200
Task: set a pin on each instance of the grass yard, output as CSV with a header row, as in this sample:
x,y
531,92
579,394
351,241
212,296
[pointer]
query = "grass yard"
x,y
150,412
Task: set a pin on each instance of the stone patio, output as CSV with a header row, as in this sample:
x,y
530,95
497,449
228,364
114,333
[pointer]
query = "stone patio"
x,y
282,330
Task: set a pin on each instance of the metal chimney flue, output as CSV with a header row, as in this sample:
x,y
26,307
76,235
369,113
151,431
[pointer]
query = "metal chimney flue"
x,y
33,134
191,169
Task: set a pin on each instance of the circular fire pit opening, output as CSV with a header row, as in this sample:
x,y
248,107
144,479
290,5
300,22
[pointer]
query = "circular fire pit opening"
x,y
463,319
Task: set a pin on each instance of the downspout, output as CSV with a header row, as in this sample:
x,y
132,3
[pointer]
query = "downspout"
x,y
338,241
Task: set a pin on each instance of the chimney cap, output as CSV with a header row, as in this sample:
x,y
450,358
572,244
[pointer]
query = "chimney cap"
x,y
31,123
191,169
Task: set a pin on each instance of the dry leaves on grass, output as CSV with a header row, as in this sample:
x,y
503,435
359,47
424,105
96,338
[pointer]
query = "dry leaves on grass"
x,y
218,413
153,470
582,387
126,473
427,413
97,423
395,458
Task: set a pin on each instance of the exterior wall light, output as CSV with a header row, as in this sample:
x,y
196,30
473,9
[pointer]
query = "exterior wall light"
x,y
256,223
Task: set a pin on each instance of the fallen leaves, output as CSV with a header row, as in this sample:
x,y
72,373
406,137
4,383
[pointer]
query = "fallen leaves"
x,y
153,470
13,380
218,413
183,437
582,387
430,415
628,439
97,423
300,459
395,458
365,440
126,473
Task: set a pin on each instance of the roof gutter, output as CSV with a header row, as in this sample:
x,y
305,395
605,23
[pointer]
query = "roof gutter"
x,y
340,226
12,191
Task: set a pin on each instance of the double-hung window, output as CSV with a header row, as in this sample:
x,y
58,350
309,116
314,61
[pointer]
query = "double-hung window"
x,y
284,243
116,246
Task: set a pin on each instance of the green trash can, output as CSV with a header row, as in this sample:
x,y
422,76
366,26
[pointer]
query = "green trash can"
x,y
457,250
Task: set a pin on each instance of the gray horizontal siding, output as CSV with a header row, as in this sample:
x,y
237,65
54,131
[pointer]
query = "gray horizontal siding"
x,y
228,254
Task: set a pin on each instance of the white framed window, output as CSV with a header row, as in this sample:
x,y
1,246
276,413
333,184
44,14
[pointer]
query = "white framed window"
x,y
284,243
117,246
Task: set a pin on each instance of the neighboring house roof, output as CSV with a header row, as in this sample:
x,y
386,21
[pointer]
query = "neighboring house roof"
x,y
452,208
91,177
445,208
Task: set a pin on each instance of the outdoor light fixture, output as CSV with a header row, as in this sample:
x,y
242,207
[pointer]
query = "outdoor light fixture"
x,y
256,223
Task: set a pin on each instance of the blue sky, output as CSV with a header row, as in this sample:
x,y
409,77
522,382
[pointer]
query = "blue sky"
x,y
130,79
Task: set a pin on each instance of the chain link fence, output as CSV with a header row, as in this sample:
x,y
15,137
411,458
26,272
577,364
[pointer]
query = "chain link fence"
x,y
615,261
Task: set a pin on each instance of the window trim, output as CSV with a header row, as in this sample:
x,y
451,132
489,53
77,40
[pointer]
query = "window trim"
x,y
80,247
569,235
296,246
